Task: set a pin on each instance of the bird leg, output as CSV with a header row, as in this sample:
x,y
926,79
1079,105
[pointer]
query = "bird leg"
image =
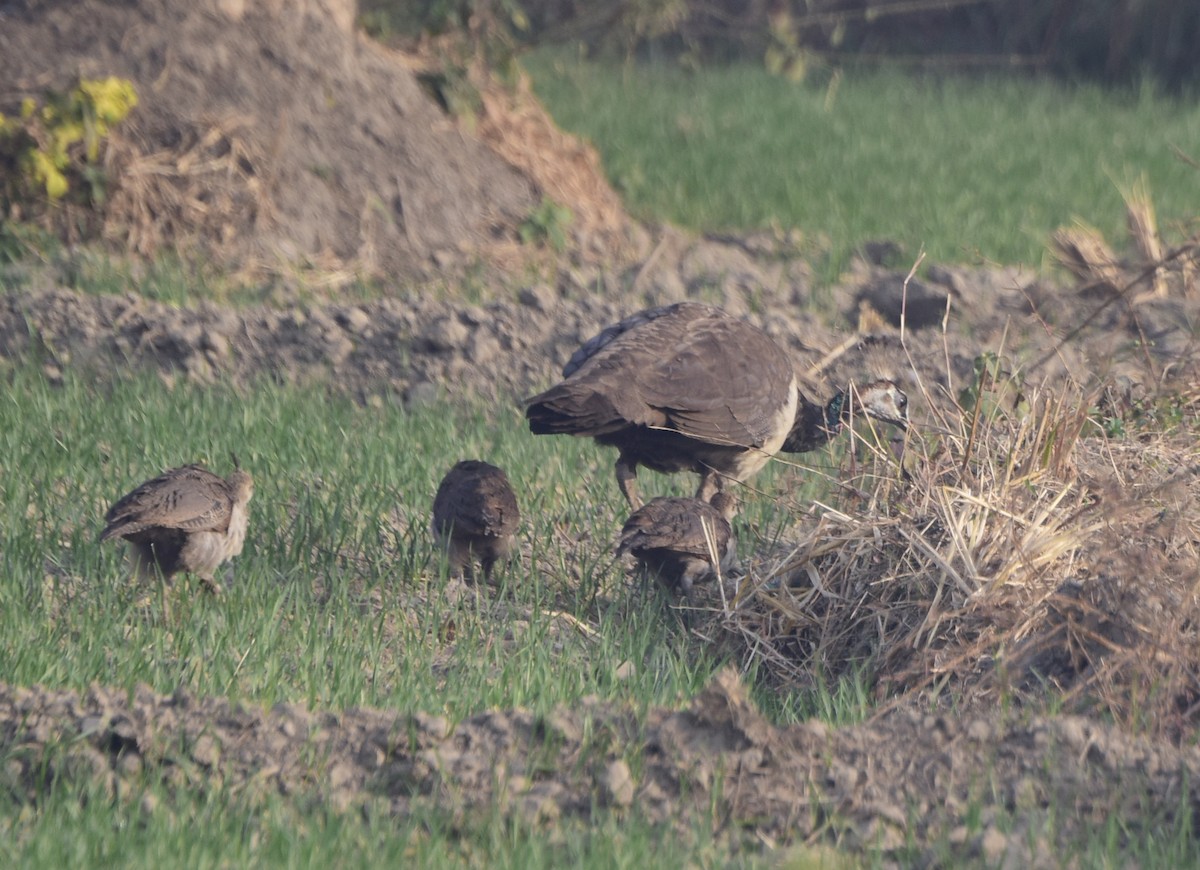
x,y
710,484
627,481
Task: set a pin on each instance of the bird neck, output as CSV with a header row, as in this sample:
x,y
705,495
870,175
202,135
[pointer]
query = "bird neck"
x,y
815,424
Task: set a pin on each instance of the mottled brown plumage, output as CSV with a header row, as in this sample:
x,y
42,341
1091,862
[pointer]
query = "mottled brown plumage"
x,y
475,516
675,539
688,387
186,519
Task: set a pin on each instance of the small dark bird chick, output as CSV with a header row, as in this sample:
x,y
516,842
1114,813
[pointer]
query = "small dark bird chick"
x,y
475,516
186,519
675,539
688,387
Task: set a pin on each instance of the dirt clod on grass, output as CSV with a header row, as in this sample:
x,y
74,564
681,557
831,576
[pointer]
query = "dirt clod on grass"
x,y
905,778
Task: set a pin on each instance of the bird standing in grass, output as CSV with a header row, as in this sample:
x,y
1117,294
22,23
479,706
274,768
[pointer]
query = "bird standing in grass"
x,y
689,387
475,516
681,541
185,520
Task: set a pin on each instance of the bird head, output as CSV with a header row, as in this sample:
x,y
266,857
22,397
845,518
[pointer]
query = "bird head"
x,y
881,400
725,503
241,484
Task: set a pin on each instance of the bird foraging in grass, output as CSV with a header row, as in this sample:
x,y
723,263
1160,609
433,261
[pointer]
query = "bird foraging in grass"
x,y
185,520
689,387
475,517
681,541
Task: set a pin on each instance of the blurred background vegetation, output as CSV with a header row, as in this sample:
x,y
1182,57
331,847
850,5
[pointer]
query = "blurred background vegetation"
x,y
1109,41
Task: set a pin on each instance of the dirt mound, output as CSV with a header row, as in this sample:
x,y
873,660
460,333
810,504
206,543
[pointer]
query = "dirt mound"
x,y
268,133
715,758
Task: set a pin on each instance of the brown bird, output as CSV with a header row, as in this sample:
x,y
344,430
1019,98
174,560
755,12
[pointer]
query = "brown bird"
x,y
475,516
688,387
675,539
186,519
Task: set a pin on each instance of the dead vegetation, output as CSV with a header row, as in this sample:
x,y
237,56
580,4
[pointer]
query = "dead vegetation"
x,y
212,185
1149,270
1016,547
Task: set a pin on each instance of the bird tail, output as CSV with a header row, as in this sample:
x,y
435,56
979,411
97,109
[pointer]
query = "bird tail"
x,y
564,411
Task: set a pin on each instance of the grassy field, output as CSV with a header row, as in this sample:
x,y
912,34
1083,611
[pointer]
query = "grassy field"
x,y
970,169
337,601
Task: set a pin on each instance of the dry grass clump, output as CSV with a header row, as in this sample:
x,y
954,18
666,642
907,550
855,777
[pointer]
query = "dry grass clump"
x,y
1150,271
502,110
210,185
565,168
1010,552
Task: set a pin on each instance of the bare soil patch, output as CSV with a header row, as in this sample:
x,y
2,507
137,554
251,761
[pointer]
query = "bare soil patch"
x,y
415,343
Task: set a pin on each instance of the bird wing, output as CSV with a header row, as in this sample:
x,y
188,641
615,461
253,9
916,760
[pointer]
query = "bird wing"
x,y
675,524
669,321
724,383
187,498
688,367
598,395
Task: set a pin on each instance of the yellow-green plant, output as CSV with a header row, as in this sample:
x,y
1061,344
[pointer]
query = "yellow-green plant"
x,y
547,223
60,138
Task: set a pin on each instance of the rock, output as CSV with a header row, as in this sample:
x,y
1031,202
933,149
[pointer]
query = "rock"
x,y
921,305
993,844
483,347
727,268
422,393
371,757
437,727
625,670
541,803
540,297
445,334
85,765
215,344
340,776
882,252
205,751
980,730
616,784
130,765
338,347
356,320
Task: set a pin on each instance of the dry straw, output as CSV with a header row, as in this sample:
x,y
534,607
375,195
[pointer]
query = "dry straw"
x,y
994,558
211,186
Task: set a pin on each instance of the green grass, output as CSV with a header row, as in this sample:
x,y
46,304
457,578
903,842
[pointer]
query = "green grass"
x,y
970,168
77,828
338,600
339,539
